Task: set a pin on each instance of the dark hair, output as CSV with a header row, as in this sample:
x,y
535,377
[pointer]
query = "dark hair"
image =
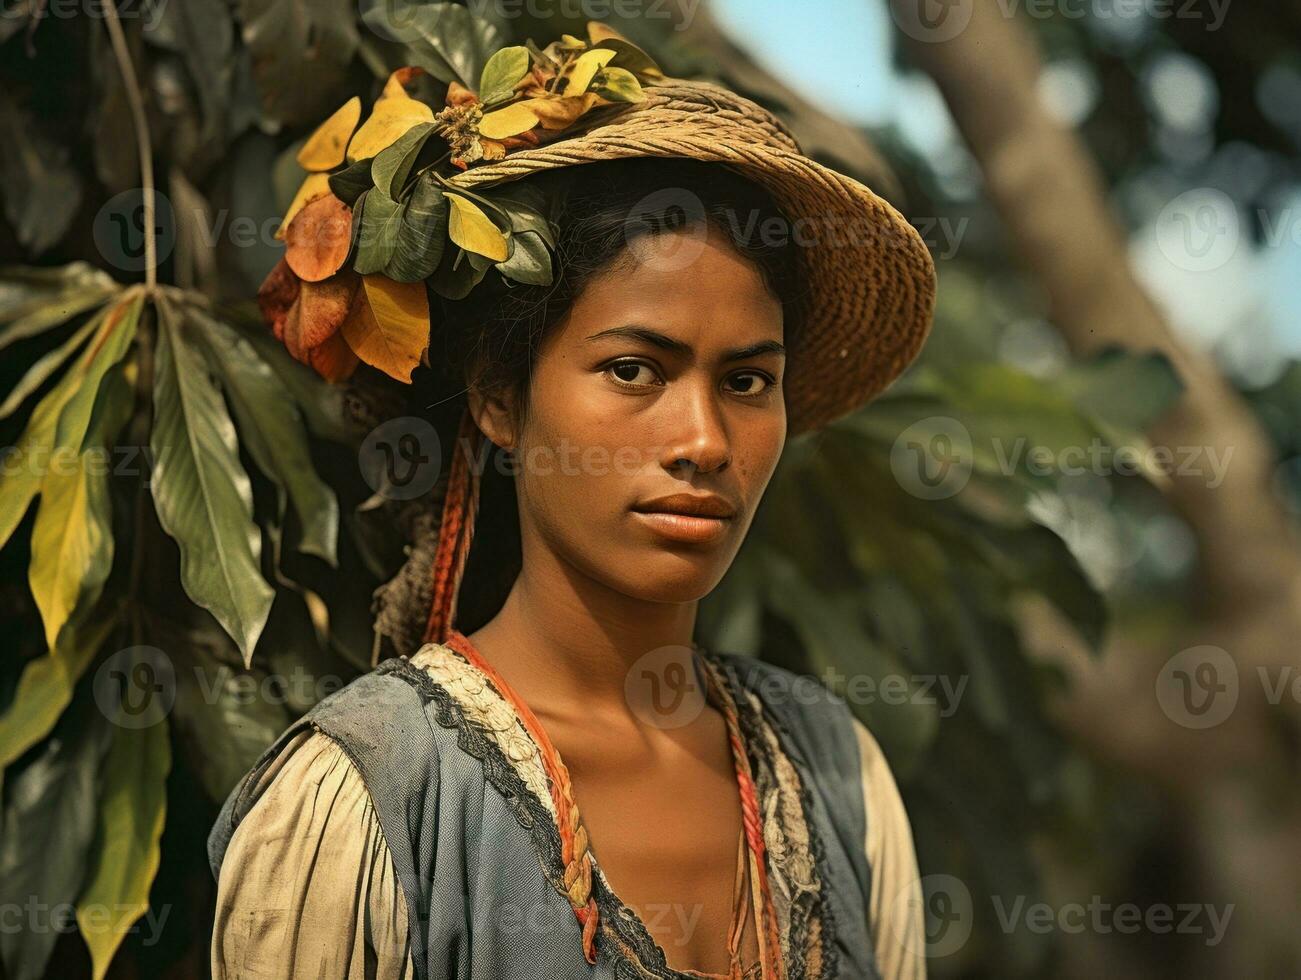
x,y
600,209
494,333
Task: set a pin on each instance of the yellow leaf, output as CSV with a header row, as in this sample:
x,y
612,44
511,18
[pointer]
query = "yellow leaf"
x,y
389,325
510,121
324,148
316,185
587,65
389,120
474,231
132,811
598,32
560,113
65,541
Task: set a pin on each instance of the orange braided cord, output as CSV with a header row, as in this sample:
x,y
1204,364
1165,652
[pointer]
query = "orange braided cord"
x,y
455,531
575,853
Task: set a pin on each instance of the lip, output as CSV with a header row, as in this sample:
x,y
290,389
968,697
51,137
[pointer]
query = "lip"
x,y
687,517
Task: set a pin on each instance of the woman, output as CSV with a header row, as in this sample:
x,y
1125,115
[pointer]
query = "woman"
x,y
575,788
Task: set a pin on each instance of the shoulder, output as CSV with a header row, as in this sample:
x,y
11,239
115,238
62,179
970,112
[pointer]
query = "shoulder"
x,y
307,884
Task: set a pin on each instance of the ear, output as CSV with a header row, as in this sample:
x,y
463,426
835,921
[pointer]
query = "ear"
x,y
494,413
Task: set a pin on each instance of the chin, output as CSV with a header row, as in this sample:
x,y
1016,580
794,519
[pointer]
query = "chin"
x,y
678,575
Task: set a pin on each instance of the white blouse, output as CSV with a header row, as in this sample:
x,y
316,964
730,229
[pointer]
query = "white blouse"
x,y
307,887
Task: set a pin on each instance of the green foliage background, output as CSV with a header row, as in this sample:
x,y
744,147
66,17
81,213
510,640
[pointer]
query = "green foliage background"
x,y
230,527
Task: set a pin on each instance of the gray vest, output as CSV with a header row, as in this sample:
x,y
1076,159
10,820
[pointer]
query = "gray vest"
x,y
467,836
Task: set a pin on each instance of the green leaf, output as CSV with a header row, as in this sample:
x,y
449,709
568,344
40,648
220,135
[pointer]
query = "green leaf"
x,y
48,829
349,183
45,687
321,403
50,362
1129,391
56,309
502,73
422,234
617,85
627,55
445,39
381,224
392,165
456,275
201,492
526,206
42,188
131,812
300,54
220,704
271,429
529,261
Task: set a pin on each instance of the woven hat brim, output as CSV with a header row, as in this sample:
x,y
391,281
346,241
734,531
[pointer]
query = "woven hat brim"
x,y
869,280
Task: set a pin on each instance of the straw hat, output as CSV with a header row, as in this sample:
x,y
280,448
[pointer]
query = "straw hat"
x,y
870,280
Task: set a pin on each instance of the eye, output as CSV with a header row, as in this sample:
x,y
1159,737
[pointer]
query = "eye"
x,y
750,383
633,374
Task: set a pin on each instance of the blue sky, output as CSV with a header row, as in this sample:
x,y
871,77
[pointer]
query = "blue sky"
x,y
839,52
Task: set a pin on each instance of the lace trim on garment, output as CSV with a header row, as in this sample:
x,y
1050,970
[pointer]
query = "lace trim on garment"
x,y
797,855
489,729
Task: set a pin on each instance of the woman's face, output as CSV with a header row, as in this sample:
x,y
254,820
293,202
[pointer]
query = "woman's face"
x,y
663,381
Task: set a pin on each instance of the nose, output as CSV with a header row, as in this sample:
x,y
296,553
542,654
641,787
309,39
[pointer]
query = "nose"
x,y
701,441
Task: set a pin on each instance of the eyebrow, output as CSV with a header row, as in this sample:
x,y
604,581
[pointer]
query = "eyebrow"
x,y
665,342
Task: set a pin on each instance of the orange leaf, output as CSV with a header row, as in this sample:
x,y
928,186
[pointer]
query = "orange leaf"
x,y
324,148
458,94
318,239
278,292
389,325
318,313
334,360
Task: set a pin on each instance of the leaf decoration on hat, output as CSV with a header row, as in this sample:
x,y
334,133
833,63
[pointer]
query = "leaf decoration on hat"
x,y
379,216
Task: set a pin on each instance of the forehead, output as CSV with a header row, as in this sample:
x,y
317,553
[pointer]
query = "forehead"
x,y
691,284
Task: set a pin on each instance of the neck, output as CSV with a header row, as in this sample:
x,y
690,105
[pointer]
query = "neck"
x,y
563,639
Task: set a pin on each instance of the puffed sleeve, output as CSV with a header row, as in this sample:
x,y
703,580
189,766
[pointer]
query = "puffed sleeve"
x,y
895,907
307,886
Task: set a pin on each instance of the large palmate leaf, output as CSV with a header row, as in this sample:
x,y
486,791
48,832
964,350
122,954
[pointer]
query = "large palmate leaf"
x,y
271,428
201,492
126,851
29,460
28,311
50,811
43,369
